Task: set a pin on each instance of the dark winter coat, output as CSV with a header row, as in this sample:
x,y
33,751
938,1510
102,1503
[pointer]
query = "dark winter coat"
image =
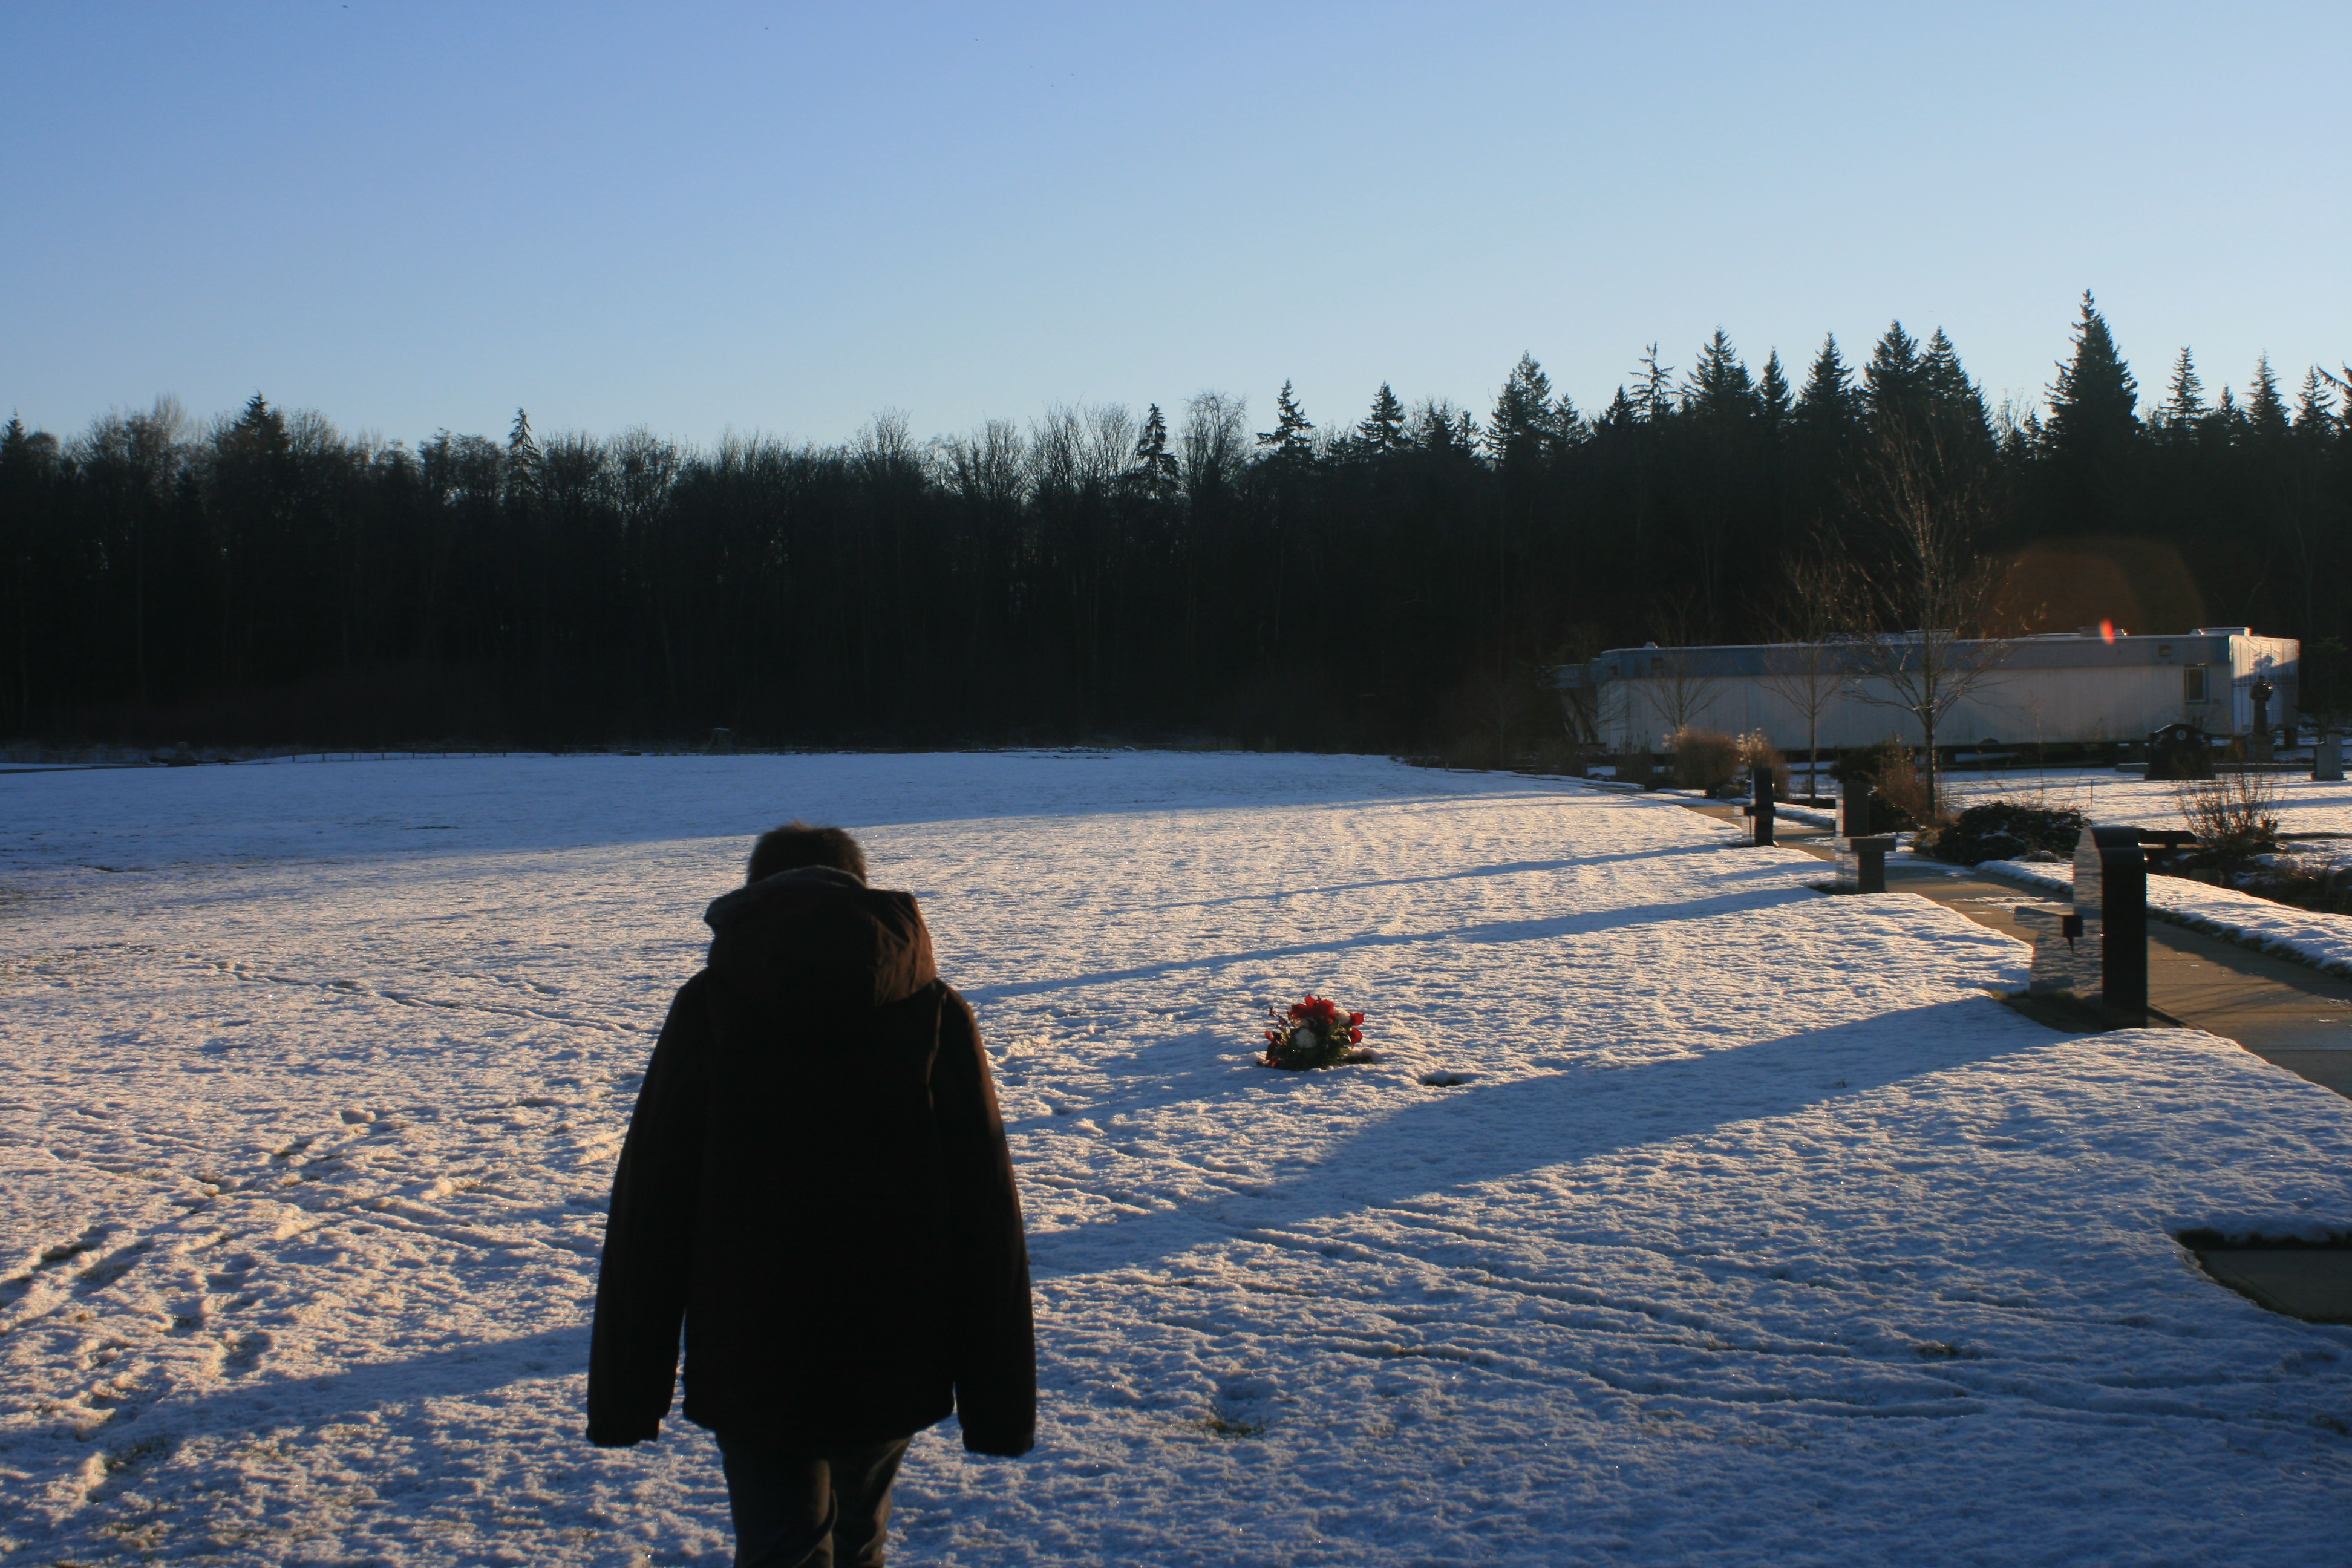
x,y
816,1182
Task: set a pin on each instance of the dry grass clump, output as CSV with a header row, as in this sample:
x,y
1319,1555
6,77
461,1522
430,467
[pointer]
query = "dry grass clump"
x,y
2235,815
1703,758
1756,752
1902,786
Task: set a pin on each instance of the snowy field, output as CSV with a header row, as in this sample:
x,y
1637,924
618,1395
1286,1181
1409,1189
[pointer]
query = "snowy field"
x,y
1754,1232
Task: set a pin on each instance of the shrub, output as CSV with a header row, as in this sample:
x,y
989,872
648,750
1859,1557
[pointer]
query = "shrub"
x,y
2004,830
1867,762
2235,815
2327,890
1904,789
1703,758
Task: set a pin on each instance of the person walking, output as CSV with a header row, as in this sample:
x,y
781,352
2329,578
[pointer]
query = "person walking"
x,y
815,1184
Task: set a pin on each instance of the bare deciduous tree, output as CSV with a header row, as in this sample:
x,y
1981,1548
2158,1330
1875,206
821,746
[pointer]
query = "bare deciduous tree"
x,y
1679,684
1810,664
1929,591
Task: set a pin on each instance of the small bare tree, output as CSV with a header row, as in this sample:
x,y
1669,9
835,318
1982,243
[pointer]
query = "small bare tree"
x,y
1679,683
1809,666
1929,587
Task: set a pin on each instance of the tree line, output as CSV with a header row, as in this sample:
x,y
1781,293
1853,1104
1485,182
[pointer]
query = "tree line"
x,y
1395,582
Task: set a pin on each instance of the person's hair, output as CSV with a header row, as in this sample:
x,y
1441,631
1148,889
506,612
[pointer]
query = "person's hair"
x,y
796,844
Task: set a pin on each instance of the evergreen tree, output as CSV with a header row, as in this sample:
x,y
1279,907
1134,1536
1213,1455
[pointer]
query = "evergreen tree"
x,y
2228,417
258,433
2092,426
1524,428
1772,403
2314,415
2092,406
1292,435
1957,400
1720,389
26,463
1155,465
1829,406
16,448
1622,413
2184,410
522,459
1382,430
1657,396
1440,427
1895,382
2265,409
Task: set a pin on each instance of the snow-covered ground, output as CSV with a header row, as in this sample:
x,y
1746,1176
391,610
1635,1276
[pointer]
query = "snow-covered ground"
x,y
1755,1233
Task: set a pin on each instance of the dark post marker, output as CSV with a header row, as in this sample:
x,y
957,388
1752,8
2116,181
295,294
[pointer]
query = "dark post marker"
x,y
1870,862
1762,808
2123,921
1853,810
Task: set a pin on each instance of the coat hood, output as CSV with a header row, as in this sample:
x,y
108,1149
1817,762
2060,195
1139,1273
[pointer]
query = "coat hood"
x,y
816,938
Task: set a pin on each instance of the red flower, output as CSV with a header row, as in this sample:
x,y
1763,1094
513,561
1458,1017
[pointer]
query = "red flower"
x,y
1314,1031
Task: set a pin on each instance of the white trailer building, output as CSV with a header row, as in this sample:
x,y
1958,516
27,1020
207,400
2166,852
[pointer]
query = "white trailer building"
x,y
2058,690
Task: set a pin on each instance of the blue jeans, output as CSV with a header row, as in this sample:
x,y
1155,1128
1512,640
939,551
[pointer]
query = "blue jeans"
x,y
794,1508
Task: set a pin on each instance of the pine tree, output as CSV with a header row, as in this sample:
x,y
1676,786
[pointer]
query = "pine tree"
x,y
1290,438
259,432
1957,400
2228,417
1720,388
1440,427
1772,404
1525,427
1155,465
1622,413
2092,426
2092,407
2265,409
2185,409
1382,430
1657,399
2314,414
522,459
1829,408
1895,382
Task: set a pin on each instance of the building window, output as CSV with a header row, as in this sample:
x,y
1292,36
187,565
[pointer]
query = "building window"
x,y
2193,683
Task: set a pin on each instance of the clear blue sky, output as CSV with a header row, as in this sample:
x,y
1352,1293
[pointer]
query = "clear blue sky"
x,y
782,216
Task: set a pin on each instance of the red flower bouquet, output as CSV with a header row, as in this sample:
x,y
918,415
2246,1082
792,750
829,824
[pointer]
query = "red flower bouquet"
x,y
1313,1033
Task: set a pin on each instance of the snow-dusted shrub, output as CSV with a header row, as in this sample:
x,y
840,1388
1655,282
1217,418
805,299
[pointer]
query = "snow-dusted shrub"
x,y
2235,815
2006,830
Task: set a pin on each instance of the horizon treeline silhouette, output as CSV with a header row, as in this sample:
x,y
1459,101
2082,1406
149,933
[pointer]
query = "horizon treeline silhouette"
x,y
1394,581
